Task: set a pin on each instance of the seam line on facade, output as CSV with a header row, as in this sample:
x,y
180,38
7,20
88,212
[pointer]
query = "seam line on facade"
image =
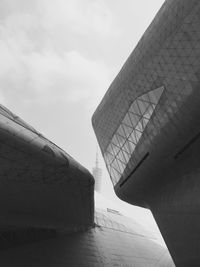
x,y
181,151
134,170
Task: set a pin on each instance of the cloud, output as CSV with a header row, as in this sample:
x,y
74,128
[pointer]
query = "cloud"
x,y
48,77
32,70
82,17
69,78
56,51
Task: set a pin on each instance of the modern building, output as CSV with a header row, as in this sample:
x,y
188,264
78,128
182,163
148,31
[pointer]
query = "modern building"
x,y
147,126
48,217
97,174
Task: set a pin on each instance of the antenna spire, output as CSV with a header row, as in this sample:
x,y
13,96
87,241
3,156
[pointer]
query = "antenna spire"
x,y
97,173
97,159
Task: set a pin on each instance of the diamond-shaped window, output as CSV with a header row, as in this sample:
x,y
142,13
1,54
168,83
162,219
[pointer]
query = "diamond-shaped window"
x,y
121,139
134,119
144,98
115,141
120,131
142,106
115,149
135,109
127,121
148,112
139,126
129,132
127,147
155,95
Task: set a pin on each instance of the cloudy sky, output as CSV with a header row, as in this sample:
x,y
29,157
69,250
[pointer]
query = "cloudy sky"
x,y
58,58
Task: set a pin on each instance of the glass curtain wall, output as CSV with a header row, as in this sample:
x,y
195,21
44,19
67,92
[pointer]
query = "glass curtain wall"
x,y
129,132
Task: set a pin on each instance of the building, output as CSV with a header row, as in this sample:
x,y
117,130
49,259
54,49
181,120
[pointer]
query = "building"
x,y
116,240
97,174
147,126
48,217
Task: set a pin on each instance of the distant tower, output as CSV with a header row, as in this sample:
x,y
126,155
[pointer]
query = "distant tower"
x,y
97,173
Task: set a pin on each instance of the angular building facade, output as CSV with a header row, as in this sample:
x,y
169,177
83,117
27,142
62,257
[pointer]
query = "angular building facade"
x,y
147,126
48,216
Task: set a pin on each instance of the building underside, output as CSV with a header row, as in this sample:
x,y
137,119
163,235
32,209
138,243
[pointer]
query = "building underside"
x,y
147,126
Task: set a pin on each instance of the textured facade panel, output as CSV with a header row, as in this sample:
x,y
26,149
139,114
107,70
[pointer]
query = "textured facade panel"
x,y
105,245
162,172
40,184
166,56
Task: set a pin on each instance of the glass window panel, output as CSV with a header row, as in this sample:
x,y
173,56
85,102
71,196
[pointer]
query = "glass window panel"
x,y
121,156
127,120
134,119
156,94
115,165
121,140
127,156
132,137
120,166
108,157
115,180
126,147
108,167
144,97
123,126
153,98
134,108
115,149
131,146
139,126
144,122
137,135
115,141
124,167
112,175
123,143
116,174
109,149
148,112
127,130
142,106
120,131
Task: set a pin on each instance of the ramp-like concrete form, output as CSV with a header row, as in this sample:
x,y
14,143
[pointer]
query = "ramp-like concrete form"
x,y
116,240
41,186
147,126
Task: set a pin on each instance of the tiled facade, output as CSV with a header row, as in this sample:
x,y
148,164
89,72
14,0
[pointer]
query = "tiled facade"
x,y
115,241
119,155
40,184
167,56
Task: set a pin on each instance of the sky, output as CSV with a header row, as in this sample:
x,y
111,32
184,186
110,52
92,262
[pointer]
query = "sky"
x,y
57,60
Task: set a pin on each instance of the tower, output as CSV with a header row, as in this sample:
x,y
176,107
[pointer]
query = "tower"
x,y
97,173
